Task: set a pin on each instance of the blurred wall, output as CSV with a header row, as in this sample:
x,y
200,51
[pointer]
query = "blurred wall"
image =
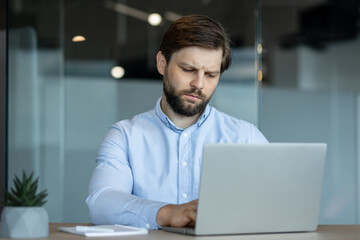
x,y
322,106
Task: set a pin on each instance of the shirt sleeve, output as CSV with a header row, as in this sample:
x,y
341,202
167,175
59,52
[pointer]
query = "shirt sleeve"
x,y
257,136
110,200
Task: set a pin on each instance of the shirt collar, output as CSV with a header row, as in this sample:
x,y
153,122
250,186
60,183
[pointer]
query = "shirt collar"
x,y
166,120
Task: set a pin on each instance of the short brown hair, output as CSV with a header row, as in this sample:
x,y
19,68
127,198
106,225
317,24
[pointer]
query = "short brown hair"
x,y
196,30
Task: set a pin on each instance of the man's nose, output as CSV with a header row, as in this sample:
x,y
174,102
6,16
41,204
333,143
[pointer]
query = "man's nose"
x,y
198,81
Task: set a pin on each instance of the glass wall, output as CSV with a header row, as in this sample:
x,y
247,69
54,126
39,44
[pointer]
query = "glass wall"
x,y
3,97
64,92
63,95
311,91
36,96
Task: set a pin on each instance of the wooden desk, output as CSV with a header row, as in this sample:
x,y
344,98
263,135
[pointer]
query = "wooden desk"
x,y
324,232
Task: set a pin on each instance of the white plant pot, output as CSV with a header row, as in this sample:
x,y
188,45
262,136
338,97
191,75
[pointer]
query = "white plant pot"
x,y
24,222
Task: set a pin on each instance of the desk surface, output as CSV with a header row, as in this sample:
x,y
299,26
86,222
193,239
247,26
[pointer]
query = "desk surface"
x,y
324,232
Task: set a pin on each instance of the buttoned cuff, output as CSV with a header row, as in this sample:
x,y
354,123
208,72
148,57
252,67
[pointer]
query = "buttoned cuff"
x,y
149,214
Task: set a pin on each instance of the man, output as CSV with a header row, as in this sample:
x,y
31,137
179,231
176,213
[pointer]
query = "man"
x,y
148,170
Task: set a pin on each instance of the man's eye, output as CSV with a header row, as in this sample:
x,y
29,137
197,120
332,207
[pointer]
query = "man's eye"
x,y
187,70
212,75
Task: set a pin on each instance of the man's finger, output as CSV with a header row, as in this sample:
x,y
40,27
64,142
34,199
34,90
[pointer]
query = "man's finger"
x,y
192,215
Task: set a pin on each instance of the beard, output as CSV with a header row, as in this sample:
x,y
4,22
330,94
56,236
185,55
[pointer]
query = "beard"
x,y
186,108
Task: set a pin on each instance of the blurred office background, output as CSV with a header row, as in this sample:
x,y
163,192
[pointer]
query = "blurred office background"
x,y
76,67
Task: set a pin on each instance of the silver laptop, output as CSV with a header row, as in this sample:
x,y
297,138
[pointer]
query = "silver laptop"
x,y
259,188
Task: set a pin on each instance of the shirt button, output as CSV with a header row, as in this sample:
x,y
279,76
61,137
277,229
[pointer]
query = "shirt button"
x,y
184,164
185,135
184,195
147,225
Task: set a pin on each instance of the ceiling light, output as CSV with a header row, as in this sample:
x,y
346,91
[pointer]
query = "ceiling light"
x,y
154,19
78,38
117,72
133,12
171,16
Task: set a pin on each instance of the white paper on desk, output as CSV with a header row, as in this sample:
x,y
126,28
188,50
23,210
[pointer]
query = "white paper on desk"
x,y
119,230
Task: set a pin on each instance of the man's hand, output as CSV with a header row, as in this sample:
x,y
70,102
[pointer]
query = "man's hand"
x,y
178,215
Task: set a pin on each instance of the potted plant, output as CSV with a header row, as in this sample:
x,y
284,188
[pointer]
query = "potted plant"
x,y
23,215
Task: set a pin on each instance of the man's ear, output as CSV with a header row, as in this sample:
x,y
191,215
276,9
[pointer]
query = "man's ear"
x,y
160,63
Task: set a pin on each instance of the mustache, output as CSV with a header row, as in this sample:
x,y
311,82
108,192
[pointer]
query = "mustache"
x,y
194,92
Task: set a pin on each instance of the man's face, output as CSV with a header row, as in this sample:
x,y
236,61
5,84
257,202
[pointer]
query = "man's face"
x,y
190,79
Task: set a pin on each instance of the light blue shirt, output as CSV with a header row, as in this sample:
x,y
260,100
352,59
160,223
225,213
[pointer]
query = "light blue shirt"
x,y
147,162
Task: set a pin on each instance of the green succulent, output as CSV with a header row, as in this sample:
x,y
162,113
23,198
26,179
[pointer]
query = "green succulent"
x,y
24,194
